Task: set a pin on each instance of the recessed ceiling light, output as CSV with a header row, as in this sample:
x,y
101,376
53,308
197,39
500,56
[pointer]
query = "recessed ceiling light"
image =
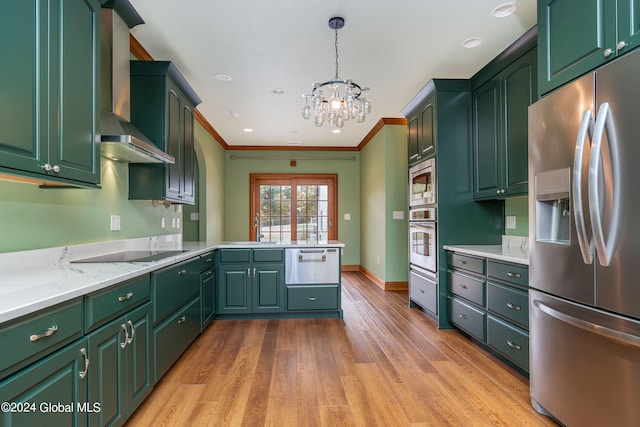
x,y
504,10
248,130
278,91
233,113
472,42
222,77
336,131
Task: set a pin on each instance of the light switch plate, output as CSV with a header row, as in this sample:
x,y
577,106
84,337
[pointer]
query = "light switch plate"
x,y
511,222
115,222
347,217
398,214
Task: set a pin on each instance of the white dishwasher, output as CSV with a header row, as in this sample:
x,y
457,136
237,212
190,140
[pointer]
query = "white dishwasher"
x,y
305,266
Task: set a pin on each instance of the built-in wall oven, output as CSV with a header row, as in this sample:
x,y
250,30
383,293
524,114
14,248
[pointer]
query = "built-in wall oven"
x,y
422,183
423,265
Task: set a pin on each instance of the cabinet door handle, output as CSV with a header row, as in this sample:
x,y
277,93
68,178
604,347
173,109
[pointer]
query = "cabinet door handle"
x,y
52,330
621,45
182,320
124,343
607,52
182,272
514,275
83,374
512,345
312,298
254,272
133,332
126,297
514,307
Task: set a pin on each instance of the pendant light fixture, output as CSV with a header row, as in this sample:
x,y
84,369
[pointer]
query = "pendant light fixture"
x,y
336,101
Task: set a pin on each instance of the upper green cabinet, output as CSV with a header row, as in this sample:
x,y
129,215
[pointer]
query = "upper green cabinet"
x,y
500,110
422,132
576,36
162,107
49,85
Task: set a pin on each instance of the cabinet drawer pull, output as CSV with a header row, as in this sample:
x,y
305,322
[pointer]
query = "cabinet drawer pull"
x,y
512,345
83,374
133,332
182,272
514,307
463,316
208,260
422,291
463,286
52,330
209,273
462,262
124,343
125,297
515,275
182,320
312,298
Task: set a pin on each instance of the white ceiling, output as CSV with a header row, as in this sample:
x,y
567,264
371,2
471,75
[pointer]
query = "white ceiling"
x,y
394,48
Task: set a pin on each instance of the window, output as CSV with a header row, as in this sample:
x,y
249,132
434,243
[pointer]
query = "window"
x,y
294,207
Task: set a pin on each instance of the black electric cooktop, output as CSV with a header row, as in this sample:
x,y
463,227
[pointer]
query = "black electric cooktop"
x,y
132,256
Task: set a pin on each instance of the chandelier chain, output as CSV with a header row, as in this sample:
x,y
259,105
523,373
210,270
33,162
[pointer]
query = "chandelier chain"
x,y
336,45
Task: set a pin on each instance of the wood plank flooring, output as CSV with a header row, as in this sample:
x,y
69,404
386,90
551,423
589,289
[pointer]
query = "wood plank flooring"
x,y
385,364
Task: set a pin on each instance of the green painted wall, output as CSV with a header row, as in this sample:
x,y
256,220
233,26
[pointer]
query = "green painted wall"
x,y
383,177
518,207
237,221
35,218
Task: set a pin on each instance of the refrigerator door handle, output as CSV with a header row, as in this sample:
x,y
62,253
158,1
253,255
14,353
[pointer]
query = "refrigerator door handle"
x,y
605,247
586,246
608,333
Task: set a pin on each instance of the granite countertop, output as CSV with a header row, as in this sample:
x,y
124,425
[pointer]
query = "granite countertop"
x,y
512,249
34,280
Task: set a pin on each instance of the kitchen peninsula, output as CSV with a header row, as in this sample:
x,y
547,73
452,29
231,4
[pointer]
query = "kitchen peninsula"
x,y
106,332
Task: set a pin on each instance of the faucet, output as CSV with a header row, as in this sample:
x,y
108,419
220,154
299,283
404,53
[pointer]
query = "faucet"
x,y
255,225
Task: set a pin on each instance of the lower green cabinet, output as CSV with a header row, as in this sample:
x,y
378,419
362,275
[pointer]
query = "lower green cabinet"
x,y
173,336
120,369
51,392
246,287
207,297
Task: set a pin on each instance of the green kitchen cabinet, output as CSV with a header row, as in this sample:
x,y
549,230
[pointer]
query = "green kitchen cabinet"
x,y
120,375
49,104
421,131
162,107
174,286
500,119
50,391
250,281
577,36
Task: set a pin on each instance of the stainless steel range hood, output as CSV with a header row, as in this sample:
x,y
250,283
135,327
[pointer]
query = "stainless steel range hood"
x,y
121,140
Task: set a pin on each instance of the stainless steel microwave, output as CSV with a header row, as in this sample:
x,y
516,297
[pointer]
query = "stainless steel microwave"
x,y
422,183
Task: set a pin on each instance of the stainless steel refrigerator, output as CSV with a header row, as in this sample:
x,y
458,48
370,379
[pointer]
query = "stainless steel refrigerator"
x,y
584,229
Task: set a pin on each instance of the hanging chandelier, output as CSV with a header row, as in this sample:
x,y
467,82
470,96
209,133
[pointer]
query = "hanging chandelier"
x,y
336,101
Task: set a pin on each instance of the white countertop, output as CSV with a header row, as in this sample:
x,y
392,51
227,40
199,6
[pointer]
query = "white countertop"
x,y
513,249
33,280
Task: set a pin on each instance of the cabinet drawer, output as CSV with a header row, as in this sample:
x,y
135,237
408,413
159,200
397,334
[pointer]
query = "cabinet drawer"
x,y
31,337
510,341
467,287
514,273
235,255
173,286
312,297
423,291
468,318
268,255
206,261
174,335
466,262
102,306
508,302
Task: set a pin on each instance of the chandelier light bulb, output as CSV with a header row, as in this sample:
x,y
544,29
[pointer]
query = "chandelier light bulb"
x,y
347,99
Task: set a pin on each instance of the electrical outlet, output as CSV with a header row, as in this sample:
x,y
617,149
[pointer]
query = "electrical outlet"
x,y
347,217
398,214
377,260
173,222
163,222
115,222
511,222
177,222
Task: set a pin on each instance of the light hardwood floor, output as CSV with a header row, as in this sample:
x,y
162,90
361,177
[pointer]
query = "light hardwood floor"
x,y
385,364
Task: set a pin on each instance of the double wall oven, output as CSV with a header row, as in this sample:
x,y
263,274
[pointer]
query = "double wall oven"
x,y
423,246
